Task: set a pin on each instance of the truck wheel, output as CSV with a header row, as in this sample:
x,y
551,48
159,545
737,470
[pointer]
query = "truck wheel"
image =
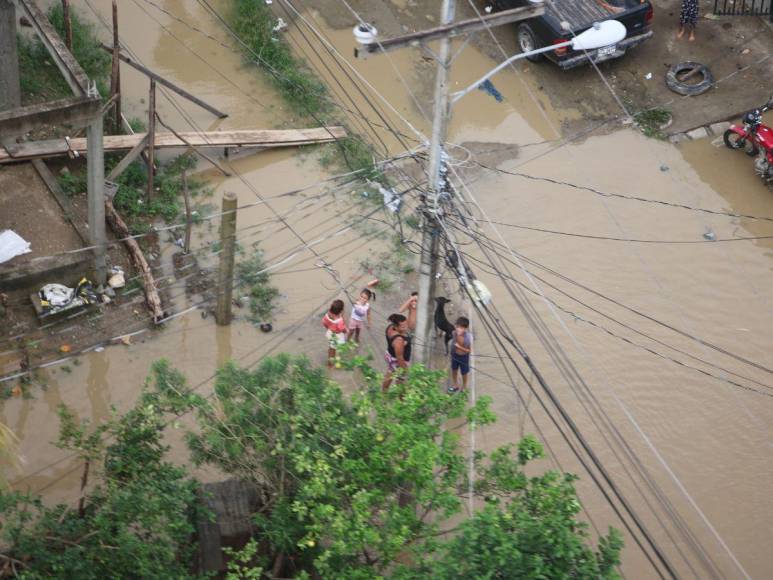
x,y
678,75
527,41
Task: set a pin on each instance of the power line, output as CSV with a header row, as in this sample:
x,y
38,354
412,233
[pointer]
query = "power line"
x,y
624,196
632,240
567,366
503,337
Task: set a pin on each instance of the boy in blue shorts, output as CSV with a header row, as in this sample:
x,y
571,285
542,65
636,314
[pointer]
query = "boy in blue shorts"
x,y
460,353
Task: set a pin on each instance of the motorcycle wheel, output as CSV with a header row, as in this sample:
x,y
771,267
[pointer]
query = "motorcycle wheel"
x,y
735,141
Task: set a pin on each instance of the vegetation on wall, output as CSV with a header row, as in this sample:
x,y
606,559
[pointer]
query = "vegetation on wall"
x,y
308,97
40,78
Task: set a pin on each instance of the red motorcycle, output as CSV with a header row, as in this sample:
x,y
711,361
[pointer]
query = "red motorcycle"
x,y
756,140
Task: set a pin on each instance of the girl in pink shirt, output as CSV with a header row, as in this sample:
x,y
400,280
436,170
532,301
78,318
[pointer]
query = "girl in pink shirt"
x,y
335,326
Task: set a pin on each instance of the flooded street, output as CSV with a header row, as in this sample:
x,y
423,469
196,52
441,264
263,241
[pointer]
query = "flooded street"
x,y
660,301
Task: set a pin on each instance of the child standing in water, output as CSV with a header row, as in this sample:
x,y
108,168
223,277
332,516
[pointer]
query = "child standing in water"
x,y
460,354
333,321
360,313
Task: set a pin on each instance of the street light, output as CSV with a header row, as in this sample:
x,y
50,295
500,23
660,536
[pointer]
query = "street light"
x,y
601,34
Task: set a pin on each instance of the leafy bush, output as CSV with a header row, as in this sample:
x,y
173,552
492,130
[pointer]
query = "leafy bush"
x,y
650,121
369,487
251,278
136,521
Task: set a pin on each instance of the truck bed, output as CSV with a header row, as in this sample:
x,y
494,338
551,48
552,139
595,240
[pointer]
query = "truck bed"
x,y
580,14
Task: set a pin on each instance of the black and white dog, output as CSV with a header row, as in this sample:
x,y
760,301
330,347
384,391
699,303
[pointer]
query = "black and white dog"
x,y
442,324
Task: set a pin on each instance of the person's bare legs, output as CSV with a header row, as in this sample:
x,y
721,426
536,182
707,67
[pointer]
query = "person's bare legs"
x,y
680,34
455,378
692,34
331,355
387,381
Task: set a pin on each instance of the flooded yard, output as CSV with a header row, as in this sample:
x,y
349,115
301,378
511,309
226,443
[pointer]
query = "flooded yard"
x,y
672,335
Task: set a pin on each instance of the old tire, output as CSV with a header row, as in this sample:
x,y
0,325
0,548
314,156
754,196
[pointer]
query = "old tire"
x,y
684,88
735,141
527,41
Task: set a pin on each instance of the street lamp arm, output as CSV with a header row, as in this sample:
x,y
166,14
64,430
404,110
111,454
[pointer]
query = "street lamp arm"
x,y
604,33
459,94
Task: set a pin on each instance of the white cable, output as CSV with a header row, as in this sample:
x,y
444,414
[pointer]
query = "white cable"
x,y
681,487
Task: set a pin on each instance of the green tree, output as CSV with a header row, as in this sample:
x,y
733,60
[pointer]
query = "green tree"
x,y
135,521
371,485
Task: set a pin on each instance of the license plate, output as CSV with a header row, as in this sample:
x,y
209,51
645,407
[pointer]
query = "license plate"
x,y
607,50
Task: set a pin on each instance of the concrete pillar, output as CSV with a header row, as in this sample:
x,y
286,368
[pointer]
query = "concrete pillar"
x,y
96,190
10,91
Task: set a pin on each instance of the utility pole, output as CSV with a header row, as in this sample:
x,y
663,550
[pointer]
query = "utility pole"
x,y
10,91
188,217
151,138
95,161
430,237
67,24
225,283
115,75
430,240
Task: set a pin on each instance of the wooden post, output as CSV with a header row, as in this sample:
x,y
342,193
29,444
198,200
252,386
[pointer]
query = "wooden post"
x,y
10,91
151,137
187,246
138,259
95,161
67,24
115,76
227,245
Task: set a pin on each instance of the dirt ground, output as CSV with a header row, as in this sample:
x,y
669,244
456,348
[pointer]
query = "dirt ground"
x,y
727,45
28,208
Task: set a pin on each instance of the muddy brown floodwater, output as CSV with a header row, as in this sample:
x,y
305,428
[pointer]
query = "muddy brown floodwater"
x,y
705,441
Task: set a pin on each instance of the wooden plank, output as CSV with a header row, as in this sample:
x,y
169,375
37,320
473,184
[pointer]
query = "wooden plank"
x,y
127,159
249,138
71,70
168,84
152,299
196,150
450,30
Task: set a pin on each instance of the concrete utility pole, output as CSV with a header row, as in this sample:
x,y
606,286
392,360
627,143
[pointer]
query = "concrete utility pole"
x,y
10,91
430,246
96,189
430,238
225,283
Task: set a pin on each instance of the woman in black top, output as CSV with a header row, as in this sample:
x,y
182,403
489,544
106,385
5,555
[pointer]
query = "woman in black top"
x,y
398,341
